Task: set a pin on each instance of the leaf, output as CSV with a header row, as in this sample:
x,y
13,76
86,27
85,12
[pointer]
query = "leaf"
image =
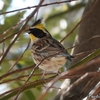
x,y
30,95
6,5
11,21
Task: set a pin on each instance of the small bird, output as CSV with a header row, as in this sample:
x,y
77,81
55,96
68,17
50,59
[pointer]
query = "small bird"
x,y
44,46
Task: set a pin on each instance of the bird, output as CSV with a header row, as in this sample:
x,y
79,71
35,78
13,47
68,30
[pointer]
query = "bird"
x,y
45,49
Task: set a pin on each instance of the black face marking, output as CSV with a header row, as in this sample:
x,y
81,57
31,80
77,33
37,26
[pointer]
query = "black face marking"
x,y
37,33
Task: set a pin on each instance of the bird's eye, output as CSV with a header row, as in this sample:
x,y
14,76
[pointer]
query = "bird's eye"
x,y
37,33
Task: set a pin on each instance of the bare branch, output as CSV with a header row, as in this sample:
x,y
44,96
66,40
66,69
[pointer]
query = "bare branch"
x,y
86,15
43,5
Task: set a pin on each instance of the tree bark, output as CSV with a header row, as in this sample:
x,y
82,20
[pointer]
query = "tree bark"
x,y
88,28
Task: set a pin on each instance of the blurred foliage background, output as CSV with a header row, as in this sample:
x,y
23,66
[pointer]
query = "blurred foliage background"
x,y
59,20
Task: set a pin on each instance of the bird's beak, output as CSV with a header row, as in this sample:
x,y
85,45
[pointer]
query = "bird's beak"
x,y
27,31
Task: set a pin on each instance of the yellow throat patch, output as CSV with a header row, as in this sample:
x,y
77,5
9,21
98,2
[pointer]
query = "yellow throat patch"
x,y
33,38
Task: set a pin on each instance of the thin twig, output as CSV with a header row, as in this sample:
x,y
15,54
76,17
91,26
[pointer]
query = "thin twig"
x,y
86,15
19,58
17,35
24,76
95,93
84,42
10,29
7,50
29,67
73,76
69,72
30,75
89,84
28,78
16,71
43,5
8,37
28,18
76,83
63,75
55,79
83,53
31,84
3,48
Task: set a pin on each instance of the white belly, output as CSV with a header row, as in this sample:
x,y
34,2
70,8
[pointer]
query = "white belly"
x,y
53,64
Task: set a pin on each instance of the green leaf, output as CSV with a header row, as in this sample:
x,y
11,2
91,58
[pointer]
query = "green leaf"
x,y
11,21
6,5
30,95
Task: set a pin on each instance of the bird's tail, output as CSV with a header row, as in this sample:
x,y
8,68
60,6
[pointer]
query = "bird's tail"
x,y
69,57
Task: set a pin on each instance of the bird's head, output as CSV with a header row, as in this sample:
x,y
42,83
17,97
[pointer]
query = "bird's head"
x,y
37,31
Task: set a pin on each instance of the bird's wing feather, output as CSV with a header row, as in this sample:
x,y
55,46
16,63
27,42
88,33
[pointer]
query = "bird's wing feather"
x,y
54,47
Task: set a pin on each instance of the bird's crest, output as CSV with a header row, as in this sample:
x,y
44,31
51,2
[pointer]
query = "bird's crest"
x,y
39,21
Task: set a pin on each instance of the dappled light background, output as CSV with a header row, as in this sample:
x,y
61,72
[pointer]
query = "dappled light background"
x,y
59,18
